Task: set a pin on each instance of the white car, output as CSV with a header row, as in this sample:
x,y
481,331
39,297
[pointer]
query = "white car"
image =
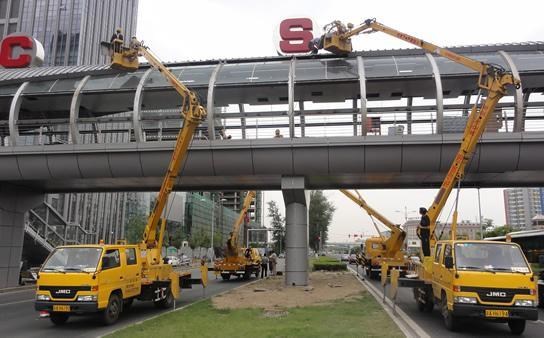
x,y
184,260
344,257
173,260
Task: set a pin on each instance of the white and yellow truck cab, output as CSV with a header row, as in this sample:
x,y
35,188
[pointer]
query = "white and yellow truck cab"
x,y
83,279
482,279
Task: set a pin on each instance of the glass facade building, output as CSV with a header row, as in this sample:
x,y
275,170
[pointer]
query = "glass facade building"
x,y
10,12
71,30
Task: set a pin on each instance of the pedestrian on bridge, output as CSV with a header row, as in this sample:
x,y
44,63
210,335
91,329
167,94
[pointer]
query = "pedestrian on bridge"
x,y
264,266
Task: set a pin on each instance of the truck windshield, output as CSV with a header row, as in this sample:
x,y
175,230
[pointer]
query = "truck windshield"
x,y
490,256
73,259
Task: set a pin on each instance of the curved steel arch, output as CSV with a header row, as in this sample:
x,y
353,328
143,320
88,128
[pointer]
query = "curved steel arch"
x,y
137,109
14,109
74,110
519,121
439,94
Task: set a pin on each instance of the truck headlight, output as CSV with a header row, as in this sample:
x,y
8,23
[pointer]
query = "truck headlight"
x,y
524,302
465,300
43,297
90,298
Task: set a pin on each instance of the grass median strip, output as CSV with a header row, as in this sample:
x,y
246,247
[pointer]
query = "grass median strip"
x,y
358,317
354,313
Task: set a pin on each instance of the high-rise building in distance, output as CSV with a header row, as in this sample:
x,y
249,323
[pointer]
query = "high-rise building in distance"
x,y
521,205
71,30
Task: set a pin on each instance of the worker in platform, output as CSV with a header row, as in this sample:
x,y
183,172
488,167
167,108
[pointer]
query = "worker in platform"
x,y
117,40
316,44
424,232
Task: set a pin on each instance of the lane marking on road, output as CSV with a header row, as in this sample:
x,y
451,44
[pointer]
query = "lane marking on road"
x,y
18,302
540,321
14,292
412,328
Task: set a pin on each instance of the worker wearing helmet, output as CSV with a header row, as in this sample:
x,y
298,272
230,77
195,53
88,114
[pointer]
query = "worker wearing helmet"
x,y
424,232
117,40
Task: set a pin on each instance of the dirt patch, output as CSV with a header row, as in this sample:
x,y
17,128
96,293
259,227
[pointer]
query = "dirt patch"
x,y
272,294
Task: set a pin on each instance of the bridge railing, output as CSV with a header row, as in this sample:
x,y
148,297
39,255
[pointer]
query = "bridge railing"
x,y
161,125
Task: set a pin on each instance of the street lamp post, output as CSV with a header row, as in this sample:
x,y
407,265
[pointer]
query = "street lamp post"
x,y
405,211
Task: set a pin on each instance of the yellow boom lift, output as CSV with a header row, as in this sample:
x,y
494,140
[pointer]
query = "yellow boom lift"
x,y
106,278
239,261
478,279
380,249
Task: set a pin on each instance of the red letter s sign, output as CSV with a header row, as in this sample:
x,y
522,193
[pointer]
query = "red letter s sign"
x,y
6,51
295,35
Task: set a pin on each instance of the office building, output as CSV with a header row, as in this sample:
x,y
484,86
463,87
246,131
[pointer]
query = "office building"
x,y
10,13
71,30
521,205
465,229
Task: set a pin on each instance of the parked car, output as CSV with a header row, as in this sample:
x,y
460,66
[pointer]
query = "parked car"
x,y
184,260
173,260
344,257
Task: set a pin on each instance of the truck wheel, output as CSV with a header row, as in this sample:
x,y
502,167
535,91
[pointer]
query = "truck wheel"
x,y
517,326
112,311
423,306
449,320
58,318
225,276
167,302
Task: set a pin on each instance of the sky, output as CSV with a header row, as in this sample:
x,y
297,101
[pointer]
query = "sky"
x,y
208,29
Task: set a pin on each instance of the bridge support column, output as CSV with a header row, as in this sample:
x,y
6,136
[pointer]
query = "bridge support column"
x,y
296,201
14,202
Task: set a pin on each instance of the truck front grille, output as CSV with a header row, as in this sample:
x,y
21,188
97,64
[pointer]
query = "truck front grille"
x,y
495,295
64,292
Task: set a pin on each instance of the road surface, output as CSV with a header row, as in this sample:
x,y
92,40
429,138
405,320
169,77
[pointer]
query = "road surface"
x,y
19,319
433,324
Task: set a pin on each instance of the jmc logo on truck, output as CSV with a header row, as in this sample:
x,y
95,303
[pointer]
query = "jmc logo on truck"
x,y
20,51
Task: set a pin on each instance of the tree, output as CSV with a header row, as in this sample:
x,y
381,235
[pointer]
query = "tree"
x,y
498,231
135,228
278,226
199,239
320,214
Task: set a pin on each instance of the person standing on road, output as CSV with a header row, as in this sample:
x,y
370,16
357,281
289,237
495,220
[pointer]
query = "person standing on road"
x,y
264,266
273,261
424,232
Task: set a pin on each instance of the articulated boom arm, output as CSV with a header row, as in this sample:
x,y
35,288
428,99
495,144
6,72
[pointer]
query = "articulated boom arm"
x,y
232,242
492,78
193,113
394,243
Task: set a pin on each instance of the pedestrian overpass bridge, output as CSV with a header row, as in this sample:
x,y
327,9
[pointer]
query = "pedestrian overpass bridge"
x,y
376,119
371,162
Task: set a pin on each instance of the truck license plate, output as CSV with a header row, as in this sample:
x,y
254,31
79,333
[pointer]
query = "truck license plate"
x,y
496,313
61,308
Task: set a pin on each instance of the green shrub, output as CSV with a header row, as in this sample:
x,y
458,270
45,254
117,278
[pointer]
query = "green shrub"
x,y
329,266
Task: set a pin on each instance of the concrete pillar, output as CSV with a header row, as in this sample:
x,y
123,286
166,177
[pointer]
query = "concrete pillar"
x,y
14,202
296,223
